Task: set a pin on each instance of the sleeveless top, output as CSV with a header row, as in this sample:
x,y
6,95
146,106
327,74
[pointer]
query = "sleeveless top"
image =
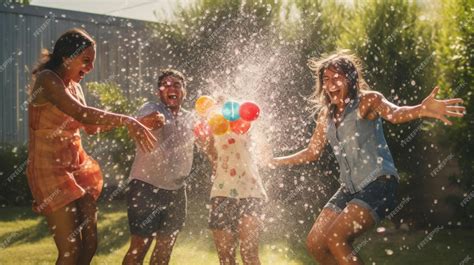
x,y
59,170
360,148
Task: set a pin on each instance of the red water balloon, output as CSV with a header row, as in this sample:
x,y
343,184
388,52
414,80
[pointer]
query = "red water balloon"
x,y
240,126
249,111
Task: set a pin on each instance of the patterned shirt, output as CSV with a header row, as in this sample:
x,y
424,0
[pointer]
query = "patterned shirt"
x,y
237,174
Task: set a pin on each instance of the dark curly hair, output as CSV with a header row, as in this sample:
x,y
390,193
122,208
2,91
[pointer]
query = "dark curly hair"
x,y
171,72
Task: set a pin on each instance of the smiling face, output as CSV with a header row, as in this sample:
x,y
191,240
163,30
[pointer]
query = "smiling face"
x,y
77,67
335,86
171,92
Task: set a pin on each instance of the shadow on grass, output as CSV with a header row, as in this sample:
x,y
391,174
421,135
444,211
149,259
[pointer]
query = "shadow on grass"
x,y
29,234
9,214
113,236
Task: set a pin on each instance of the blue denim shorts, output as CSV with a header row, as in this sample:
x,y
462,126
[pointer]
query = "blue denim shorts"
x,y
380,197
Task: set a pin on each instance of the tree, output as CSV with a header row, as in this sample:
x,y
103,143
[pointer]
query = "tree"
x,y
456,48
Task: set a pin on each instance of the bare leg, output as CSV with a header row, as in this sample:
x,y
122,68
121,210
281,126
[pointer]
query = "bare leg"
x,y
163,248
87,213
137,251
351,223
226,242
63,225
249,234
317,241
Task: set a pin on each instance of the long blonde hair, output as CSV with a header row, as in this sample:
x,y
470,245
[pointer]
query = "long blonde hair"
x,y
344,63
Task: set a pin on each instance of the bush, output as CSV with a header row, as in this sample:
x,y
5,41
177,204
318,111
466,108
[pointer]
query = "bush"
x,y
13,181
114,150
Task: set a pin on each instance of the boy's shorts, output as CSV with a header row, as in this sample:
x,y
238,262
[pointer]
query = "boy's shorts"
x,y
152,210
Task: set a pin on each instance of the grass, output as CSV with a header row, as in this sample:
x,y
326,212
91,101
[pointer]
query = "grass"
x,y
24,239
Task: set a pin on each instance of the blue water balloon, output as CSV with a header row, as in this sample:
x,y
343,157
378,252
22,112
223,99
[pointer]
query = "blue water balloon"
x,y
230,110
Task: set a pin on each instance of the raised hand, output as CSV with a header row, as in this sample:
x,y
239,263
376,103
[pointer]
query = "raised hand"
x,y
153,120
141,134
441,109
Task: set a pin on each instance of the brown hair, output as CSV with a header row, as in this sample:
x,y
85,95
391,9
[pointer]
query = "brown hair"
x,y
171,72
69,45
344,63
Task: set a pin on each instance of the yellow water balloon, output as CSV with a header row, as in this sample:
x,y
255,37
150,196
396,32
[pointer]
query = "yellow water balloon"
x,y
219,125
203,105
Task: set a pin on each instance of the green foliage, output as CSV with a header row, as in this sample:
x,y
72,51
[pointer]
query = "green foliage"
x,y
114,150
13,181
316,25
21,2
456,48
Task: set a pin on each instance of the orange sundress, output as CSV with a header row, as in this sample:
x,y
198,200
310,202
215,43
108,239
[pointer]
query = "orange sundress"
x,y
59,170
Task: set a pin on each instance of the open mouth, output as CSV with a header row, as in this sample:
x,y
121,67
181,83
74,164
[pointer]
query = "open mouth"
x,y
172,97
334,93
82,74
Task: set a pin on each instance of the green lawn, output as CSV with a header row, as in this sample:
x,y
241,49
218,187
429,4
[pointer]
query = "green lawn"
x,y
24,239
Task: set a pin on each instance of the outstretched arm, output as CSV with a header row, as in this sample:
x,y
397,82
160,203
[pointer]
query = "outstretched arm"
x,y
153,121
312,152
374,104
93,129
55,92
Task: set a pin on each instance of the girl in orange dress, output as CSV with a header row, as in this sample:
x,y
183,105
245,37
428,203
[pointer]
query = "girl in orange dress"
x,y
64,181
